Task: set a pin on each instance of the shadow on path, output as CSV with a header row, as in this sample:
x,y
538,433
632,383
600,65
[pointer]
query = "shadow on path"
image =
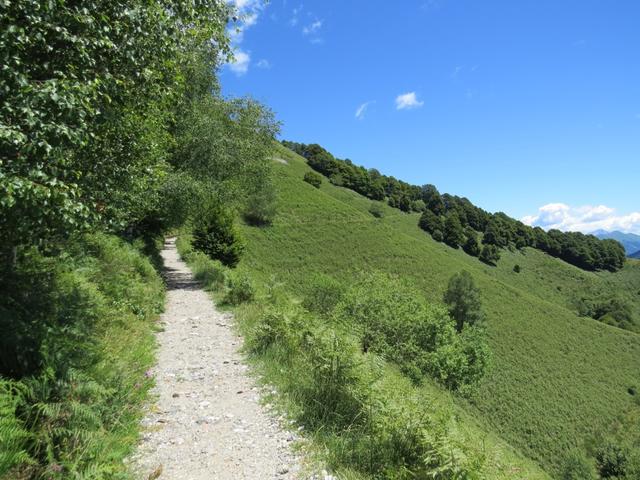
x,y
178,279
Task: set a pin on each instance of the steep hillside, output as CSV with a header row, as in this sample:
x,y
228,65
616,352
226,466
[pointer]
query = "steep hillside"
x,y
557,379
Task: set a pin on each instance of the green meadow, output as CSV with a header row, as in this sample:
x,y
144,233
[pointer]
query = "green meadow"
x,y
557,380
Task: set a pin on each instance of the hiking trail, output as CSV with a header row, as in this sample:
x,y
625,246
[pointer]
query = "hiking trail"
x,y
207,422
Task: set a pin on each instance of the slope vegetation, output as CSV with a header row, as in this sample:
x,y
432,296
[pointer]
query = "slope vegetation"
x,y
557,380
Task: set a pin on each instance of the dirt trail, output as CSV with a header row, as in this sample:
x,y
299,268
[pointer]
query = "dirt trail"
x,y
207,423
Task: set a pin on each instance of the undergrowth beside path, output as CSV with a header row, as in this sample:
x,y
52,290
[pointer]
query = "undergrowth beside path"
x,y
365,419
77,341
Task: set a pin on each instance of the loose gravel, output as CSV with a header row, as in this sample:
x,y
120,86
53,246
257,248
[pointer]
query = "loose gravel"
x,y
207,422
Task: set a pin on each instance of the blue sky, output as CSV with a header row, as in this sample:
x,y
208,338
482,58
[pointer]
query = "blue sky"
x,y
528,107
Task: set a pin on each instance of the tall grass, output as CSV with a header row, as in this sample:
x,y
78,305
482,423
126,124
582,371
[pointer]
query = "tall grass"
x,y
82,327
366,420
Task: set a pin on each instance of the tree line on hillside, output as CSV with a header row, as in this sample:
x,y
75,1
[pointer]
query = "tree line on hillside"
x,y
457,222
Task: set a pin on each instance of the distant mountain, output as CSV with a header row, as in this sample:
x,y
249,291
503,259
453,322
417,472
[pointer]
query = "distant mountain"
x,y
630,241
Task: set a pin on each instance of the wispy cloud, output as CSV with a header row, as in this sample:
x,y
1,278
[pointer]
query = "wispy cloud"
x,y
295,15
312,31
312,27
362,110
430,5
264,63
407,101
585,219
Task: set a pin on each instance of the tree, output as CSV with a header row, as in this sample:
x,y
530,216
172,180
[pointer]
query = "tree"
x,y
313,179
404,203
432,199
490,254
471,245
227,144
214,233
84,132
418,206
453,233
584,251
463,299
430,222
495,234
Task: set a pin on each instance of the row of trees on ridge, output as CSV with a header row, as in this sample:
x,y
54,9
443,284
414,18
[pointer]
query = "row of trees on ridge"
x,y
458,222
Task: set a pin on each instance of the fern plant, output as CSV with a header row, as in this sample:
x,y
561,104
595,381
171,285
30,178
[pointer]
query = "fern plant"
x,y
13,436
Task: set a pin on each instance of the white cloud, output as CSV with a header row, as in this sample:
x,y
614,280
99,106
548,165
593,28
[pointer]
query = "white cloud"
x,y
243,5
240,63
248,12
583,219
312,27
407,101
362,109
264,63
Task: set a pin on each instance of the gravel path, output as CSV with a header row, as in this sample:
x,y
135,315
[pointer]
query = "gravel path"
x,y
207,423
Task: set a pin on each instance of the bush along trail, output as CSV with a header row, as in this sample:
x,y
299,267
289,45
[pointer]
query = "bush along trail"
x,y
207,422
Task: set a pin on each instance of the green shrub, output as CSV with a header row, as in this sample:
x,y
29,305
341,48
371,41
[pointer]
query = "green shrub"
x,y
215,234
610,309
323,294
376,209
312,178
336,394
184,244
211,273
240,289
516,268
612,459
273,326
393,320
577,467
331,392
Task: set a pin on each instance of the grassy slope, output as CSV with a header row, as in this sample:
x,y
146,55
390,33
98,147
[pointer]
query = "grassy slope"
x,y
557,378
